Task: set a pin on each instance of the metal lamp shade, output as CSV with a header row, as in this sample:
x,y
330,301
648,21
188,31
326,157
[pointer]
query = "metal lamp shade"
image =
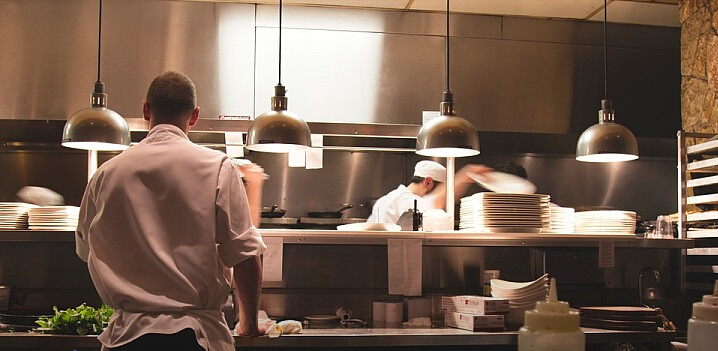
x,y
606,142
278,132
96,128
447,136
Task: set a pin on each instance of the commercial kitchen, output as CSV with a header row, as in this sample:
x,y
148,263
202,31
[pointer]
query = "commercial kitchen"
x,y
365,75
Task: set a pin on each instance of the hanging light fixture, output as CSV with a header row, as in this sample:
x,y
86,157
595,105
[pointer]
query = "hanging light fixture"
x,y
447,135
606,141
97,127
278,130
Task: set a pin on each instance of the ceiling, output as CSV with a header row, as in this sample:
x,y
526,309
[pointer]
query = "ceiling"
x,y
645,12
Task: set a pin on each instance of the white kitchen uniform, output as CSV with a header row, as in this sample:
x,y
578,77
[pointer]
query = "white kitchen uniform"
x,y
160,226
391,206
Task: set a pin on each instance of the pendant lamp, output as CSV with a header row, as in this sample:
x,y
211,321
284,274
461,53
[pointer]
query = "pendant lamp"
x,y
606,141
447,135
278,130
97,127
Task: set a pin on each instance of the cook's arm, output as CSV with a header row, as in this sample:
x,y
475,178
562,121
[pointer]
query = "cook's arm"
x,y
253,183
461,184
248,285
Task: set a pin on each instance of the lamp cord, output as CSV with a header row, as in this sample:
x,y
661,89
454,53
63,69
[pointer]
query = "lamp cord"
x,y
605,50
99,41
280,42
447,46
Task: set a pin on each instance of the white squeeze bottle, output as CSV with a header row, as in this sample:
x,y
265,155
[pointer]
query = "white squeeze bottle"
x,y
703,325
552,326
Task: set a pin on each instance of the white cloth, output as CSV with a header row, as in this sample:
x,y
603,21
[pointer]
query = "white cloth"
x,y
160,227
391,206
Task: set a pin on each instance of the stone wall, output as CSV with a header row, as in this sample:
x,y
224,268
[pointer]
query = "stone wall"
x,y
699,65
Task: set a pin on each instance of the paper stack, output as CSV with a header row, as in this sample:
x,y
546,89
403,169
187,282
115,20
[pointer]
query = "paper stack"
x,y
474,313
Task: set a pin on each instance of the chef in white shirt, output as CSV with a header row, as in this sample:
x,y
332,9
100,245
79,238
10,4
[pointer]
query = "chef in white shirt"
x,y
163,225
427,187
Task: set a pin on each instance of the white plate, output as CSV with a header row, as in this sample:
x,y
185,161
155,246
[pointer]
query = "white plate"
x,y
503,182
384,227
520,286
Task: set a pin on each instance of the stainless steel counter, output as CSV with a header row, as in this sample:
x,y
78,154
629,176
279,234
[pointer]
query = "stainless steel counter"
x,y
449,238
356,338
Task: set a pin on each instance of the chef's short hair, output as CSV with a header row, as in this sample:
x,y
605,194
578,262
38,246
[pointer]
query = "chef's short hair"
x,y
512,168
171,97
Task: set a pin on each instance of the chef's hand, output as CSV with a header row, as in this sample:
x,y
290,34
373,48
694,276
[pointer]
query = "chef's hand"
x,y
253,173
253,179
254,330
462,176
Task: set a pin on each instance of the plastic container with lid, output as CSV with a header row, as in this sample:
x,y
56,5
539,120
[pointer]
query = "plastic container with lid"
x,y
703,325
552,326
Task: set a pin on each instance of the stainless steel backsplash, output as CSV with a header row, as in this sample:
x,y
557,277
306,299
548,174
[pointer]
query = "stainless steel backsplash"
x,y
339,65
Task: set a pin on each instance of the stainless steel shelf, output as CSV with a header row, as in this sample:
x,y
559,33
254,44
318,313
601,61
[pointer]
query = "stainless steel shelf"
x,y
464,238
550,240
455,238
363,337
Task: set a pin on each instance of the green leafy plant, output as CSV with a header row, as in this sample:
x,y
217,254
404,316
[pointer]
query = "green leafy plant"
x,y
83,320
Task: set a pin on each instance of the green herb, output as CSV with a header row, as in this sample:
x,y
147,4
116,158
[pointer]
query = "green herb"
x,y
83,320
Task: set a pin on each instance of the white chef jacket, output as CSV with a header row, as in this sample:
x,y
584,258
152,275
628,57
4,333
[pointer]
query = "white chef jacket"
x,y
160,227
391,206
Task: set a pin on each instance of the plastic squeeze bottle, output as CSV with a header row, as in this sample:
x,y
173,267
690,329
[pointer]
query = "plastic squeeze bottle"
x,y
703,325
552,326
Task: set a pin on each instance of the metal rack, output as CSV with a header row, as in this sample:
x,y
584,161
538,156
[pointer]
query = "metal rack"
x,y
700,266
707,147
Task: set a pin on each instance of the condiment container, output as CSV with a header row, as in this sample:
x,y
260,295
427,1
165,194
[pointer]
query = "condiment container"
x,y
703,325
552,326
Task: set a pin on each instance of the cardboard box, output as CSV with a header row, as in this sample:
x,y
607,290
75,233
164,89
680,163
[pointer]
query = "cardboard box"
x,y
474,322
478,305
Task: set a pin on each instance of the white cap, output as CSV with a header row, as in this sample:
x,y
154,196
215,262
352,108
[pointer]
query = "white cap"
x,y
430,169
552,315
707,309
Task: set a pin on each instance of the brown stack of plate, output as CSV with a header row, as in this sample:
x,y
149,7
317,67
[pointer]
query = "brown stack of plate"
x,y
620,318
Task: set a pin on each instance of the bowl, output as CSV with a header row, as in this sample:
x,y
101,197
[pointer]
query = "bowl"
x,y
541,295
513,294
520,287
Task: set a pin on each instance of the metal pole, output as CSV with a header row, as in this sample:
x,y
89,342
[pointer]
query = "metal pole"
x,y
682,160
450,166
91,163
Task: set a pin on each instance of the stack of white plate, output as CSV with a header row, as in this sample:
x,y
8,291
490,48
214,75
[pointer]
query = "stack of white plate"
x,y
54,218
561,219
522,296
605,222
13,215
505,212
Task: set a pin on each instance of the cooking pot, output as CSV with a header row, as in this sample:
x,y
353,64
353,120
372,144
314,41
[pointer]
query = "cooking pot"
x,y
330,214
272,212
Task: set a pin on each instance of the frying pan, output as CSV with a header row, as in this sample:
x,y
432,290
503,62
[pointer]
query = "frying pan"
x,y
272,212
329,214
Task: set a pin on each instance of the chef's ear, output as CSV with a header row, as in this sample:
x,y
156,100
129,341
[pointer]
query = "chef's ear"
x,y
428,181
195,117
146,111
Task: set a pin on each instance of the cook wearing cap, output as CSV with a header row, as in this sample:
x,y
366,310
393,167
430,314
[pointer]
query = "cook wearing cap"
x,y
427,187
